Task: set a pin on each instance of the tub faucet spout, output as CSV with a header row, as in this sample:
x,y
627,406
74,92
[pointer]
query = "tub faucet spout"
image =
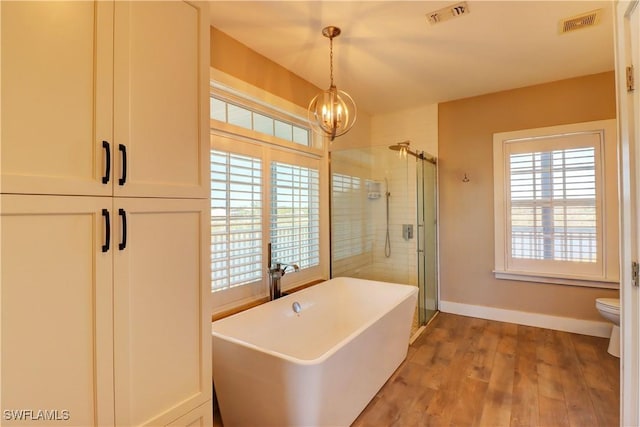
x,y
276,271
275,274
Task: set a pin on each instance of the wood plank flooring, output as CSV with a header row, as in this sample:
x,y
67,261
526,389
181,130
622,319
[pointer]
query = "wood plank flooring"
x,y
464,371
470,372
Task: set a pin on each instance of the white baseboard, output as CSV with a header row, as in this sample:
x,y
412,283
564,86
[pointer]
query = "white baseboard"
x,y
566,324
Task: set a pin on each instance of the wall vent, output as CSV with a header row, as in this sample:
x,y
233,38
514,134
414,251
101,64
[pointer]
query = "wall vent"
x,y
449,12
578,22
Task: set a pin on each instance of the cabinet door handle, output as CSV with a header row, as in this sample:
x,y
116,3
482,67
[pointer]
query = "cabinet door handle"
x,y
107,167
123,217
123,177
107,231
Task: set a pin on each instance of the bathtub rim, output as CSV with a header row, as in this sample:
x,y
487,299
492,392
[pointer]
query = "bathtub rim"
x,y
338,345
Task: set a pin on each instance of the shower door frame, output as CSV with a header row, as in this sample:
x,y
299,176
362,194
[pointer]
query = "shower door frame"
x,y
425,313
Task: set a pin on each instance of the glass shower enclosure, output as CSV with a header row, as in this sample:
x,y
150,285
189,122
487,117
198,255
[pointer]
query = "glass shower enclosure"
x,y
383,219
427,237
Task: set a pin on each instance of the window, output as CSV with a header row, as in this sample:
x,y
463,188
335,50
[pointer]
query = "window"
x,y
265,188
236,220
556,205
245,117
242,225
295,214
553,205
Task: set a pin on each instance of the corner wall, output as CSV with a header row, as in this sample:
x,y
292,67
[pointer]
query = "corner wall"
x,y
418,125
232,57
465,131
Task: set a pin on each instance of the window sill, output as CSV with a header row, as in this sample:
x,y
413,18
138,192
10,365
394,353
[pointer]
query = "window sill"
x,y
259,301
557,280
293,289
235,310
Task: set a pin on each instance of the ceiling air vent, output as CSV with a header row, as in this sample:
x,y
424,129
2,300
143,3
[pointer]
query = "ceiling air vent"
x,y
584,20
449,12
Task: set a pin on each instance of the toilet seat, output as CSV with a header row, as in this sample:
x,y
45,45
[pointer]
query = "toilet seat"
x,y
609,308
610,305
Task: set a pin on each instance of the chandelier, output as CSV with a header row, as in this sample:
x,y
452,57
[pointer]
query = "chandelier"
x,y
332,112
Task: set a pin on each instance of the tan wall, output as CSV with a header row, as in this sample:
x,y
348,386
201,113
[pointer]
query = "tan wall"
x,y
418,125
465,145
358,137
236,59
232,57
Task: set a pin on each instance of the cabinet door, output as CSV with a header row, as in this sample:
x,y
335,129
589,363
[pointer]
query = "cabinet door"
x,y
56,302
199,417
57,102
161,98
161,305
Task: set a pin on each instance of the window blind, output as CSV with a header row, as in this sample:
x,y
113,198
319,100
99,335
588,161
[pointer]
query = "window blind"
x,y
295,214
553,205
236,220
346,216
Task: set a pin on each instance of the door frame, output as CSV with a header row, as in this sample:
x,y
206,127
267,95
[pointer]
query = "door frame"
x,y
627,14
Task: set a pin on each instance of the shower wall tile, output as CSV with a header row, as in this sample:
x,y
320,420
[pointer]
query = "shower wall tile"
x,y
353,210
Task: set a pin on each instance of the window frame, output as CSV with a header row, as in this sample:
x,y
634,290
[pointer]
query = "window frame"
x,y
250,102
606,273
226,297
314,204
239,140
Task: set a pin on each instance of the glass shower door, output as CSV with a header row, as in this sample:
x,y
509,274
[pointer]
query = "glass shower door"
x,y
427,240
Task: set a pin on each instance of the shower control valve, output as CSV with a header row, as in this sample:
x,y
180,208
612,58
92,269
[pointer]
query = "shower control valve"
x,y
407,231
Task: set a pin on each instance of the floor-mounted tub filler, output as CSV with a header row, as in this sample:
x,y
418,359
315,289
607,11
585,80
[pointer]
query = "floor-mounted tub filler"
x,y
313,358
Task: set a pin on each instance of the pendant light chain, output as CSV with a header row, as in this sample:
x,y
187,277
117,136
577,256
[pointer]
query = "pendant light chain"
x,y
331,59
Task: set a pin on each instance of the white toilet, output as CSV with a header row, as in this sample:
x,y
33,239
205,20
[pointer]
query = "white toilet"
x,y
609,308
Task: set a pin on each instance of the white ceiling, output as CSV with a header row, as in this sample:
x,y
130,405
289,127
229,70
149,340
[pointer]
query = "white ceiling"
x,y
390,58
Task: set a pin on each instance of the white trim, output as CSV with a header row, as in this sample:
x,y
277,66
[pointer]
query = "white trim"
x,y
221,81
601,274
556,279
557,323
627,51
227,82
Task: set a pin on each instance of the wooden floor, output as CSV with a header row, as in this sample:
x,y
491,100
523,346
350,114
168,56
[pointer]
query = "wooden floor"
x,y
470,372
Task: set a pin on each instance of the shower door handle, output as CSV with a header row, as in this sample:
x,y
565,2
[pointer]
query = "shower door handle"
x,y
420,236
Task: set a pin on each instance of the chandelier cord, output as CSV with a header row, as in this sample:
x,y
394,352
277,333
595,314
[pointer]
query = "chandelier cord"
x,y
331,59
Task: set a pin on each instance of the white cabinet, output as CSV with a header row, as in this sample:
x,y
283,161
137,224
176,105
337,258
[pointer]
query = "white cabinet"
x,y
162,98
104,213
102,98
162,325
57,317
97,290
57,96
199,417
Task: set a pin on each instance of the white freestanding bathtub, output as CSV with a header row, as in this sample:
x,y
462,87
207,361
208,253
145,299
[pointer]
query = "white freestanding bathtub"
x,y
319,367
